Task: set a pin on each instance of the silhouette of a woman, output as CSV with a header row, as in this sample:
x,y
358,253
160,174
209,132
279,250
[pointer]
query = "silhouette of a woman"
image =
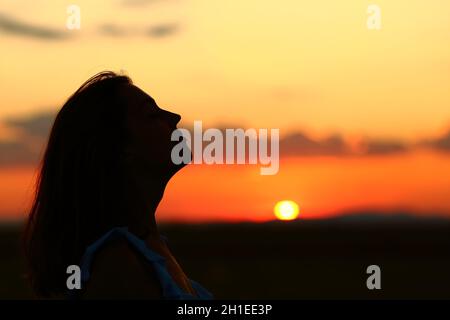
x,y
103,174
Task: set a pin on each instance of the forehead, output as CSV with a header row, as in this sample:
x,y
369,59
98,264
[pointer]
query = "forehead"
x,y
135,95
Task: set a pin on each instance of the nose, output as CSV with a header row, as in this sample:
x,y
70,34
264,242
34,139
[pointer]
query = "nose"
x,y
172,118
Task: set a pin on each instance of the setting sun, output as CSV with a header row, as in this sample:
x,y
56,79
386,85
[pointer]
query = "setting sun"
x,y
286,210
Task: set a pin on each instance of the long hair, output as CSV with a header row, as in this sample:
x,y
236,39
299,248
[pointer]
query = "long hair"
x,y
80,182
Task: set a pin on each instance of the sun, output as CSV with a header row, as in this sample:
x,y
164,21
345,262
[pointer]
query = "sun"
x,y
286,210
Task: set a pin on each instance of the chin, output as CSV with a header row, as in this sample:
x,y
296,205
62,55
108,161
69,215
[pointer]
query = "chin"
x,y
174,168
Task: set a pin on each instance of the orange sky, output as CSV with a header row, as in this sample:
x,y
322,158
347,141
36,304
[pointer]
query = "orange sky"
x,y
322,186
258,63
295,65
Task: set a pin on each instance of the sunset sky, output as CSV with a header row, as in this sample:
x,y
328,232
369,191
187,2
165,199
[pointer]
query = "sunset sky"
x,y
364,115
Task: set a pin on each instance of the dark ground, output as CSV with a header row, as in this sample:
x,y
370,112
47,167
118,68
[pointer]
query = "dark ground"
x,y
296,260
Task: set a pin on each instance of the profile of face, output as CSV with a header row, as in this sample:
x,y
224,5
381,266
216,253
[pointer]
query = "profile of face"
x,y
150,127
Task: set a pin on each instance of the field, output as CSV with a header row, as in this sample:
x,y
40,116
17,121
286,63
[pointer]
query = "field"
x,y
297,260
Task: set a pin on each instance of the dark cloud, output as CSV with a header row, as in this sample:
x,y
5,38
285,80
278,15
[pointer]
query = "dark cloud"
x,y
157,31
17,153
37,125
162,30
381,147
300,144
12,26
440,143
113,30
32,133
138,3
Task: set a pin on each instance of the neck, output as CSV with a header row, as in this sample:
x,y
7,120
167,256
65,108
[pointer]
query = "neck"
x,y
142,201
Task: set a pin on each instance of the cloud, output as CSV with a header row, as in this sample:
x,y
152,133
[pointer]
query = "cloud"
x,y
300,144
303,145
113,30
12,26
441,143
16,153
37,125
382,147
157,31
138,3
32,133
162,30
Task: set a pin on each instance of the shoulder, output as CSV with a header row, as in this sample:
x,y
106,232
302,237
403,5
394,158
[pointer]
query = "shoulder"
x,y
119,272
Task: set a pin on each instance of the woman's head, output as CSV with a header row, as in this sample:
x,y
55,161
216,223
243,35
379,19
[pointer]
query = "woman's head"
x,y
107,135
